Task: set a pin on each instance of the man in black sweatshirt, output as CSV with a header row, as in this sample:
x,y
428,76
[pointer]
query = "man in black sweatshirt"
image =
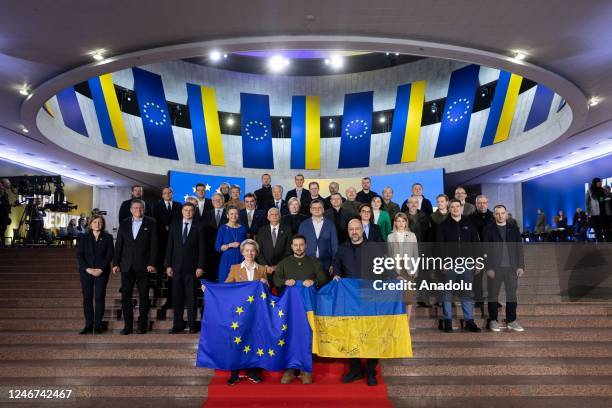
x,y
481,218
458,238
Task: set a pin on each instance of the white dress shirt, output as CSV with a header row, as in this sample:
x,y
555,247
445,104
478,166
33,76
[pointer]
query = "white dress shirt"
x,y
136,224
250,271
318,226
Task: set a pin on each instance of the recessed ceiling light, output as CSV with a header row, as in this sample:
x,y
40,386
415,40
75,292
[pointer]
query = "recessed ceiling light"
x,y
24,129
224,55
214,56
24,90
397,54
229,121
326,61
593,101
278,63
519,55
331,125
382,119
98,55
336,62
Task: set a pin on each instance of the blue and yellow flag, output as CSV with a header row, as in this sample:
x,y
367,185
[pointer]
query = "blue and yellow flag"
x,y
48,108
350,319
71,111
207,143
256,131
406,129
457,111
154,114
244,326
108,112
502,108
356,130
305,133
540,107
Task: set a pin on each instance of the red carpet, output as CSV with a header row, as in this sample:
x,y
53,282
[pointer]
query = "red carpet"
x,y
326,390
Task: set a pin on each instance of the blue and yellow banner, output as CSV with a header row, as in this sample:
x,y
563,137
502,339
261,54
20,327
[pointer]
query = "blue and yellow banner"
x,y
540,107
207,143
48,108
457,111
256,131
356,130
244,326
108,112
502,108
350,319
71,111
406,128
305,133
154,114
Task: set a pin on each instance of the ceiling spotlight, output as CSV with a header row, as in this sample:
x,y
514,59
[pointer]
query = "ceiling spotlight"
x,y
397,54
331,125
593,101
281,120
25,129
230,121
382,119
326,61
282,126
519,55
24,90
97,55
277,63
214,56
129,98
386,53
336,62
225,56
434,108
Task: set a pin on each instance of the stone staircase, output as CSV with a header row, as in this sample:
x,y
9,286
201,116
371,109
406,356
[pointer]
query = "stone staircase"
x,y
564,358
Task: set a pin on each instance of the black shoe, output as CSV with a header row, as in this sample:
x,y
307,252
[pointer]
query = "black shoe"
x,y
350,377
193,330
471,326
233,379
372,381
254,377
98,330
448,326
87,330
141,330
126,331
423,304
176,330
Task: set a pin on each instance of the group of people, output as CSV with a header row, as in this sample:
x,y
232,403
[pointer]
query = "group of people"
x,y
280,241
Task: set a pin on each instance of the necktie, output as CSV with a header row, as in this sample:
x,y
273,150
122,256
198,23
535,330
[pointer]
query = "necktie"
x,y
169,206
185,232
274,236
218,216
278,205
250,218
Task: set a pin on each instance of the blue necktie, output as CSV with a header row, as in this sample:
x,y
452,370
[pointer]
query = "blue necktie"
x,y
185,232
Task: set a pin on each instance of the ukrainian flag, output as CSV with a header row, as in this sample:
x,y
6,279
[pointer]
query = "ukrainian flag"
x,y
305,133
406,128
350,319
204,117
48,108
502,108
110,118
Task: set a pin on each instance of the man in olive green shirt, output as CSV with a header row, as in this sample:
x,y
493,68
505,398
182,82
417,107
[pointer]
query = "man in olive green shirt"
x,y
299,267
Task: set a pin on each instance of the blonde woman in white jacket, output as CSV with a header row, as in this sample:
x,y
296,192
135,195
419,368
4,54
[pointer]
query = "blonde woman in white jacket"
x,y
401,241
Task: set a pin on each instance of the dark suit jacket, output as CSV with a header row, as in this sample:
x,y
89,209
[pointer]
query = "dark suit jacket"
x,y
284,210
264,198
186,257
259,218
327,242
271,255
493,246
137,253
164,219
124,209
207,206
426,207
341,225
95,254
375,234
210,227
305,203
352,261
293,193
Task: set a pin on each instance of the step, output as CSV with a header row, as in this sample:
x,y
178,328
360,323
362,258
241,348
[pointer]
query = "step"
x,y
498,402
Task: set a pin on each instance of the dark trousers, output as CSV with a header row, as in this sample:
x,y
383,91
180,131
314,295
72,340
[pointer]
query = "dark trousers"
x,y
183,296
249,371
477,287
507,277
355,365
94,289
164,281
140,279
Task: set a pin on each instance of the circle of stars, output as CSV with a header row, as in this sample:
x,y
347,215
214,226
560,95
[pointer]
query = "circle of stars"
x,y
256,130
454,113
154,114
353,125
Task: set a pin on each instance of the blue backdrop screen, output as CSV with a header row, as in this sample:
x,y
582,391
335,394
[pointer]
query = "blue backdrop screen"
x,y
183,184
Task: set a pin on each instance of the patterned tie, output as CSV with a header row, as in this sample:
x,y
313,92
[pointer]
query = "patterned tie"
x,y
185,232
250,218
274,236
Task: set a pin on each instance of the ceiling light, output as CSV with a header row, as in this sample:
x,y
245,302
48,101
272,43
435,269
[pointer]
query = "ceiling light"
x,y
277,63
214,56
519,55
24,90
326,61
382,119
230,121
434,108
224,55
331,125
25,129
97,55
593,101
336,62
397,54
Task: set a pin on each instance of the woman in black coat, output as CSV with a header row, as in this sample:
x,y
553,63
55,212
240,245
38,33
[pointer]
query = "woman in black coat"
x,y
293,220
95,253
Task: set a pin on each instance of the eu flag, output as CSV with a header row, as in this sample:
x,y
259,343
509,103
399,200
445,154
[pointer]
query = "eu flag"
x,y
356,130
540,107
256,131
154,114
244,326
457,111
71,111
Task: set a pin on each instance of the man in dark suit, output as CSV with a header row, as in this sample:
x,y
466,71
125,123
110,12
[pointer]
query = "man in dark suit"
x,y
423,203
313,194
124,209
278,202
481,218
165,212
264,194
274,242
366,195
334,188
202,204
185,257
298,192
211,221
251,217
321,237
135,256
339,216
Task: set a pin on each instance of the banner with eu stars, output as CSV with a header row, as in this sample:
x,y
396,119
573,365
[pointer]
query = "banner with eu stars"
x,y
356,130
244,326
256,131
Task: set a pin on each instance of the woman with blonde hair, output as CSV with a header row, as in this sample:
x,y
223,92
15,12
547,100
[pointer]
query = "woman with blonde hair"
x,y
402,242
